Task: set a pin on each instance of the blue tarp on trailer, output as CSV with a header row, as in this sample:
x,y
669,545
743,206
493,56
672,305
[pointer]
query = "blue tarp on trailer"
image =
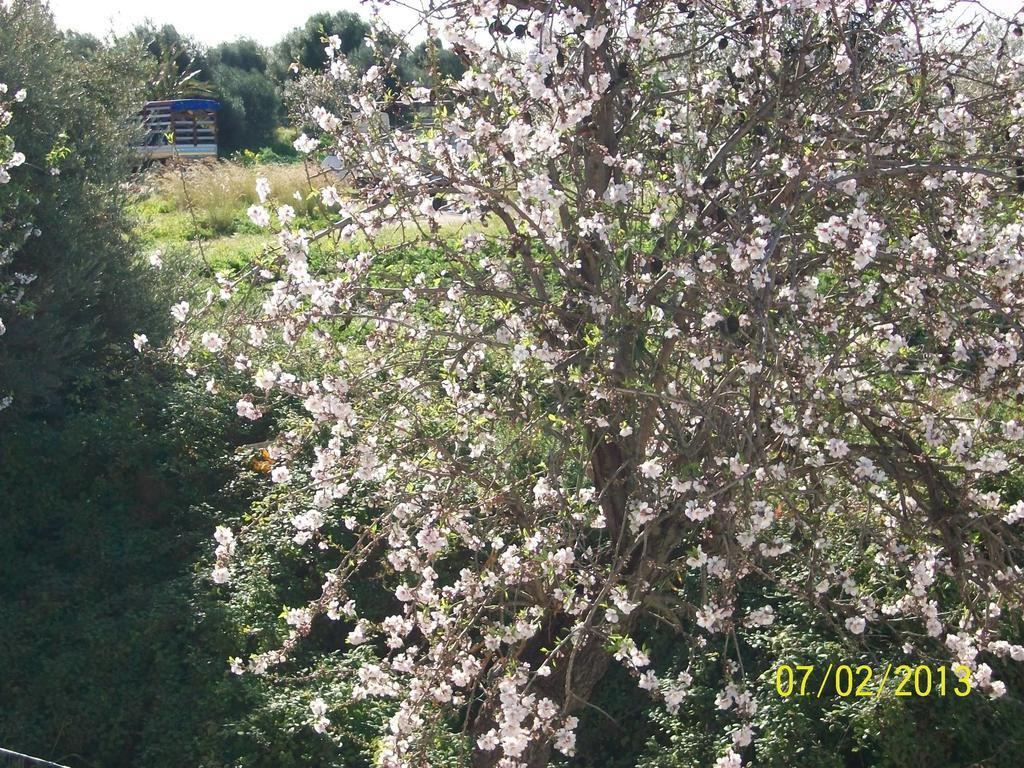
x,y
185,104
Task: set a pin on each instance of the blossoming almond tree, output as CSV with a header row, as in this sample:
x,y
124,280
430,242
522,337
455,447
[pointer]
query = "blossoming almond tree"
x,y
735,309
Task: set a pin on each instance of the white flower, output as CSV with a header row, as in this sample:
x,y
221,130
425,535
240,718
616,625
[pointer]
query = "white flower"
x,y
280,474
258,215
213,341
1012,430
865,468
298,617
842,63
729,760
262,189
318,707
403,593
329,196
139,340
651,469
761,617
223,535
265,379
20,95
743,736
648,681
488,742
357,636
247,410
856,624
220,575
305,144
1015,513
286,214
180,311
155,259
594,37
565,737
837,448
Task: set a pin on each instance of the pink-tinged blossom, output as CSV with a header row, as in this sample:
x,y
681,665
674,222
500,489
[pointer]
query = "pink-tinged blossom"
x,y
305,144
247,410
856,624
286,215
565,737
258,215
262,189
651,469
318,707
213,341
595,37
842,63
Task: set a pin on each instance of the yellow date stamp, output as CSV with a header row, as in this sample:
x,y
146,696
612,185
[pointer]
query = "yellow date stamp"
x,y
849,680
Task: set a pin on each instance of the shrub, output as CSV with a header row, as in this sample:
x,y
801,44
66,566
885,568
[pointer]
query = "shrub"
x,y
251,106
74,123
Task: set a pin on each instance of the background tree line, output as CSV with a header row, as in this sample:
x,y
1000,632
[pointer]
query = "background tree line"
x,y
254,83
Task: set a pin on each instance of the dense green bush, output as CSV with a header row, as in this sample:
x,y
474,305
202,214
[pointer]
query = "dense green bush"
x,y
73,130
250,103
101,618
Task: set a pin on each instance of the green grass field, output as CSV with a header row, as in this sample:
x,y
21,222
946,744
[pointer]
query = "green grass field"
x,y
203,210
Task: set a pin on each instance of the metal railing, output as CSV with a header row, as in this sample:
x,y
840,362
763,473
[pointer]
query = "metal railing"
x,y
11,759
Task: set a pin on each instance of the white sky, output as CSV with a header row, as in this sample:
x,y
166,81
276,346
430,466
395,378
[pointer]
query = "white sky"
x,y
214,21
209,21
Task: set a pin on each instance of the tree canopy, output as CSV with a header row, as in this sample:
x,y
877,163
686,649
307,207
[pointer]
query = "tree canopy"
x,y
732,331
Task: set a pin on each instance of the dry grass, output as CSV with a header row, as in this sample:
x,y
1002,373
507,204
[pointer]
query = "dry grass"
x,y
220,192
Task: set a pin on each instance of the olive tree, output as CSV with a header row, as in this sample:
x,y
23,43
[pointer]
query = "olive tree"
x,y
65,237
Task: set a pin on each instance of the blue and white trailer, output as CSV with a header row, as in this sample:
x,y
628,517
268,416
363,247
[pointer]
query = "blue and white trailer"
x,y
179,128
